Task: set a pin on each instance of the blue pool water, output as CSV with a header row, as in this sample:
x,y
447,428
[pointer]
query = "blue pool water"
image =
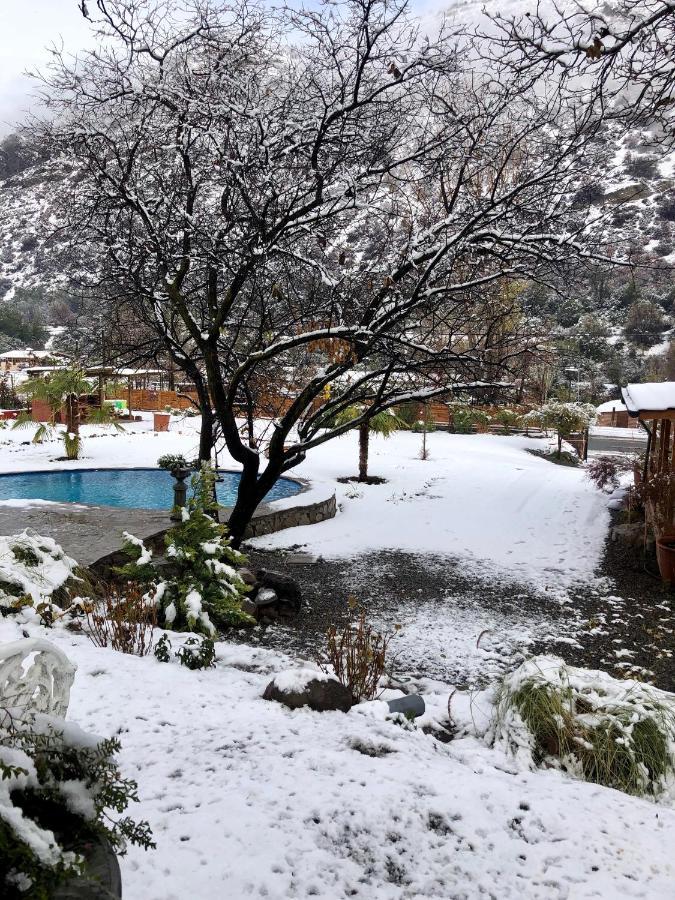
x,y
140,488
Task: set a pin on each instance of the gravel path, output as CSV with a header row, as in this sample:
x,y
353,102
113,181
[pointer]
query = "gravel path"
x,y
465,629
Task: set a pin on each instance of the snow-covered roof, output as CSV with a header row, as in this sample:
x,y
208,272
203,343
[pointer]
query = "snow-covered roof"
x,y
26,354
611,406
651,396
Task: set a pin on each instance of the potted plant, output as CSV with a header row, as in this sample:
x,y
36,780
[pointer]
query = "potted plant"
x,y
176,464
658,496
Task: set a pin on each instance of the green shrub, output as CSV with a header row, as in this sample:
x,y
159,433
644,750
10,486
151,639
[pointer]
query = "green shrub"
x,y
465,417
620,734
507,418
39,766
197,653
204,590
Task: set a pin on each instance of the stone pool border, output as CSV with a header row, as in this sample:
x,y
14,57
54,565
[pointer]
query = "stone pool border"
x,y
281,514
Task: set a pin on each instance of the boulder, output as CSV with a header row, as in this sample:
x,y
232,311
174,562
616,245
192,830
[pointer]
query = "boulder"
x,y
287,588
631,534
249,607
305,687
265,597
247,577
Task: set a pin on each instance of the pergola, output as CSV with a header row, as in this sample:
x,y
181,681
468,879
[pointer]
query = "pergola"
x,y
653,405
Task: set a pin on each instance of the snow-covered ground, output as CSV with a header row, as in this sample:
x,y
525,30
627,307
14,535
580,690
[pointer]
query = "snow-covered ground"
x,y
249,799
478,497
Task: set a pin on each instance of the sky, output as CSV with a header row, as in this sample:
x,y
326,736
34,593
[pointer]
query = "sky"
x,y
27,27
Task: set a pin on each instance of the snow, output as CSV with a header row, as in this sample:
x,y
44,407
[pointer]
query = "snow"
x,y
35,565
479,497
649,396
296,680
278,803
611,406
249,799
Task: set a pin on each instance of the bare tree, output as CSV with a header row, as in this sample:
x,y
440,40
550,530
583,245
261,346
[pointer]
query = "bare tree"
x,y
309,205
617,56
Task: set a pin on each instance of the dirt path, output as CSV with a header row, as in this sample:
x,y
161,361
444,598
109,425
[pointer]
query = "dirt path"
x,y
465,629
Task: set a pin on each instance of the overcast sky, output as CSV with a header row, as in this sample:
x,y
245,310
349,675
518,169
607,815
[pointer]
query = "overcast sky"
x,y
27,27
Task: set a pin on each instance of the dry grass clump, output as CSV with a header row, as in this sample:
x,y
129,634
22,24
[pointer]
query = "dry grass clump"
x,y
123,618
357,654
620,734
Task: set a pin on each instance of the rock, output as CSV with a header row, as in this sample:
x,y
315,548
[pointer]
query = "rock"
x,y
305,687
247,577
286,588
249,607
631,534
265,597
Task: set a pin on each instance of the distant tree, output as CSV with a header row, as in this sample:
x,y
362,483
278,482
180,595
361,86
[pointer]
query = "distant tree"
x,y
568,312
642,167
592,333
566,418
631,294
15,156
382,423
645,323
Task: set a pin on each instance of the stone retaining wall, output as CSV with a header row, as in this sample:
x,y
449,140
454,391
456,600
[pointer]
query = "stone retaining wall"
x,y
268,520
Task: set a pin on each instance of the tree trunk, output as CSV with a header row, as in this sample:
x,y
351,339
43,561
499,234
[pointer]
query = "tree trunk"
x,y
72,405
364,436
206,434
251,492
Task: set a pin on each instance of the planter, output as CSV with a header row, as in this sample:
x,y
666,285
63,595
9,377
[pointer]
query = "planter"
x,y
161,421
101,880
665,555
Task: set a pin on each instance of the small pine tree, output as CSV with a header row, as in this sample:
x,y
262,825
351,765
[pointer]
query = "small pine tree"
x,y
205,591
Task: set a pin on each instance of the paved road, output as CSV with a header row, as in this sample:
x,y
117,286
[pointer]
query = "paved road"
x,y
605,443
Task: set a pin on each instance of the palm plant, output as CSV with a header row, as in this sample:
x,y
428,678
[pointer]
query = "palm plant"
x,y
382,423
61,391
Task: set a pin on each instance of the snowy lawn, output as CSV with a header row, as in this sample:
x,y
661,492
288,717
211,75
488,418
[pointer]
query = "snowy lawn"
x,y
249,799
478,497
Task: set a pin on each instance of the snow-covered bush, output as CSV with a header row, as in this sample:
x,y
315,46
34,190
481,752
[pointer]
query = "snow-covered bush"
x,y
617,733
565,418
464,418
507,418
604,471
172,461
203,591
58,787
33,570
195,653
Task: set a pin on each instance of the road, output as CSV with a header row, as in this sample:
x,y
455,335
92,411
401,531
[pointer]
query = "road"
x,y
632,441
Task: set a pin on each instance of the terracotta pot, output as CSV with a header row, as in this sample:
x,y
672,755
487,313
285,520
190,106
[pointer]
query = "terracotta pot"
x,y
161,421
665,555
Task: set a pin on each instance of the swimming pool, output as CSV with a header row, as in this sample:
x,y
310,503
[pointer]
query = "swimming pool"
x,y
135,488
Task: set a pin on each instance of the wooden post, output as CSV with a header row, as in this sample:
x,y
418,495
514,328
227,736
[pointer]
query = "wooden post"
x,y
129,396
